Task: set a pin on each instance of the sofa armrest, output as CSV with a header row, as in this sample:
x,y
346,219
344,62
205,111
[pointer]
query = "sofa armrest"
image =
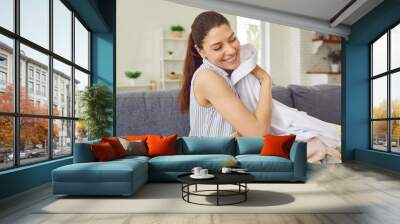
x,y
298,155
83,152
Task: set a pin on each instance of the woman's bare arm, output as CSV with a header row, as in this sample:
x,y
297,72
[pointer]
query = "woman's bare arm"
x,y
264,107
213,88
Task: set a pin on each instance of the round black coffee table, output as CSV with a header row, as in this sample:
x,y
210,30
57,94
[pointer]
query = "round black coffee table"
x,y
238,179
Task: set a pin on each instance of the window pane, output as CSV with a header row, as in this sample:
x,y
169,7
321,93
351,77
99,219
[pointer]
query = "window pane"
x,y
6,142
395,136
395,94
379,97
81,81
395,47
379,55
7,14
379,135
249,31
62,89
33,140
62,29
34,78
81,131
6,74
62,133
81,45
35,21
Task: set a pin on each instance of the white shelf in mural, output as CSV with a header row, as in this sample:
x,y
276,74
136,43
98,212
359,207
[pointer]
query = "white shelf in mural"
x,y
172,80
172,53
173,59
173,39
318,43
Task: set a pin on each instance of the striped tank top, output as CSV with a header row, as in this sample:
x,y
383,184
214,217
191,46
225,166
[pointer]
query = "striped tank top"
x,y
206,121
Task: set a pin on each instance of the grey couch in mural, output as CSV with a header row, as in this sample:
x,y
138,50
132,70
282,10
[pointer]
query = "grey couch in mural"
x,y
157,112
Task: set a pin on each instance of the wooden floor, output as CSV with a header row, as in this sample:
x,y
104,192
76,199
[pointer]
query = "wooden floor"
x,y
378,188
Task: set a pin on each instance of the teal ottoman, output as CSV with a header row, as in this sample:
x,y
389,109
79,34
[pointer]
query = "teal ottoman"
x,y
118,177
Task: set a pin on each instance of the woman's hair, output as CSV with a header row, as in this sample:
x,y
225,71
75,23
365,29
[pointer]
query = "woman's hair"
x,y
202,24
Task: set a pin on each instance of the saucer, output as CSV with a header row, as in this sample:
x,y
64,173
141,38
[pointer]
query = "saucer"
x,y
208,176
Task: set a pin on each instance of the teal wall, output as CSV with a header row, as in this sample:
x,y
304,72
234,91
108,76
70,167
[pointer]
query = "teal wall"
x,y
356,85
103,62
24,178
99,16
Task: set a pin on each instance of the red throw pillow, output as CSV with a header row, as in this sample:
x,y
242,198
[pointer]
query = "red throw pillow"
x,y
277,145
116,145
103,151
161,145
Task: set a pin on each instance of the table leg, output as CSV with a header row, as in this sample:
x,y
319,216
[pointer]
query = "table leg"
x,y
217,194
245,193
196,188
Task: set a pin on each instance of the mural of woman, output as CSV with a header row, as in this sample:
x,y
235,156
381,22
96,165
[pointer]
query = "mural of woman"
x,y
228,94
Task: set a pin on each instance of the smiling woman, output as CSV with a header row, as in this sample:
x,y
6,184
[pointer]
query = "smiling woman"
x,y
207,92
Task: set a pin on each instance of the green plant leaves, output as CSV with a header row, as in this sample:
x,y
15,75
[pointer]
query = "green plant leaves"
x,y
97,104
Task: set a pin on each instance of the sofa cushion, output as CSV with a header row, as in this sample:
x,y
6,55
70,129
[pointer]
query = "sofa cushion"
x,y
283,95
257,163
249,145
111,171
206,145
185,163
83,152
320,101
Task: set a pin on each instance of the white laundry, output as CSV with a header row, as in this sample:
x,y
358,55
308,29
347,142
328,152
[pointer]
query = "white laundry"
x,y
284,119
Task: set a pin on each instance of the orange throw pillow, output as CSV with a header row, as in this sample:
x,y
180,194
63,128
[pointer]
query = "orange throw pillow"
x,y
136,137
116,145
277,145
161,145
103,151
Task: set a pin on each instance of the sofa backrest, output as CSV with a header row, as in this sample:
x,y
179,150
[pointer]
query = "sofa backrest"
x,y
320,101
249,145
206,145
157,112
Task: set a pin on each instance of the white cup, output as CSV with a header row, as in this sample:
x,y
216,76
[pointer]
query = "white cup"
x,y
196,170
203,172
226,170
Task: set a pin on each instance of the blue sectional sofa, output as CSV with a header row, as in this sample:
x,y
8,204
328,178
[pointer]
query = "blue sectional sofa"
x,y
125,176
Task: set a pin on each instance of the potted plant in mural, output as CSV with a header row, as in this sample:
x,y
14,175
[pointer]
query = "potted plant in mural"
x,y
177,31
132,76
97,102
334,57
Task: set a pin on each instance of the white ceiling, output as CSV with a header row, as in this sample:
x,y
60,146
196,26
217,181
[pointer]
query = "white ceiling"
x,y
319,9
313,15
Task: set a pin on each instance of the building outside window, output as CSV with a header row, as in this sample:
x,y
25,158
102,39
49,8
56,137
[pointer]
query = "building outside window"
x,y
30,72
3,78
30,87
37,74
43,90
3,61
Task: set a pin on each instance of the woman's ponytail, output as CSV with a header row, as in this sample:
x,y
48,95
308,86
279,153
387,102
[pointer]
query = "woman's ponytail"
x,y
191,63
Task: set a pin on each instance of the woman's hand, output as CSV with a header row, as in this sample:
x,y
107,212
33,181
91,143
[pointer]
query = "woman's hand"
x,y
236,134
262,76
